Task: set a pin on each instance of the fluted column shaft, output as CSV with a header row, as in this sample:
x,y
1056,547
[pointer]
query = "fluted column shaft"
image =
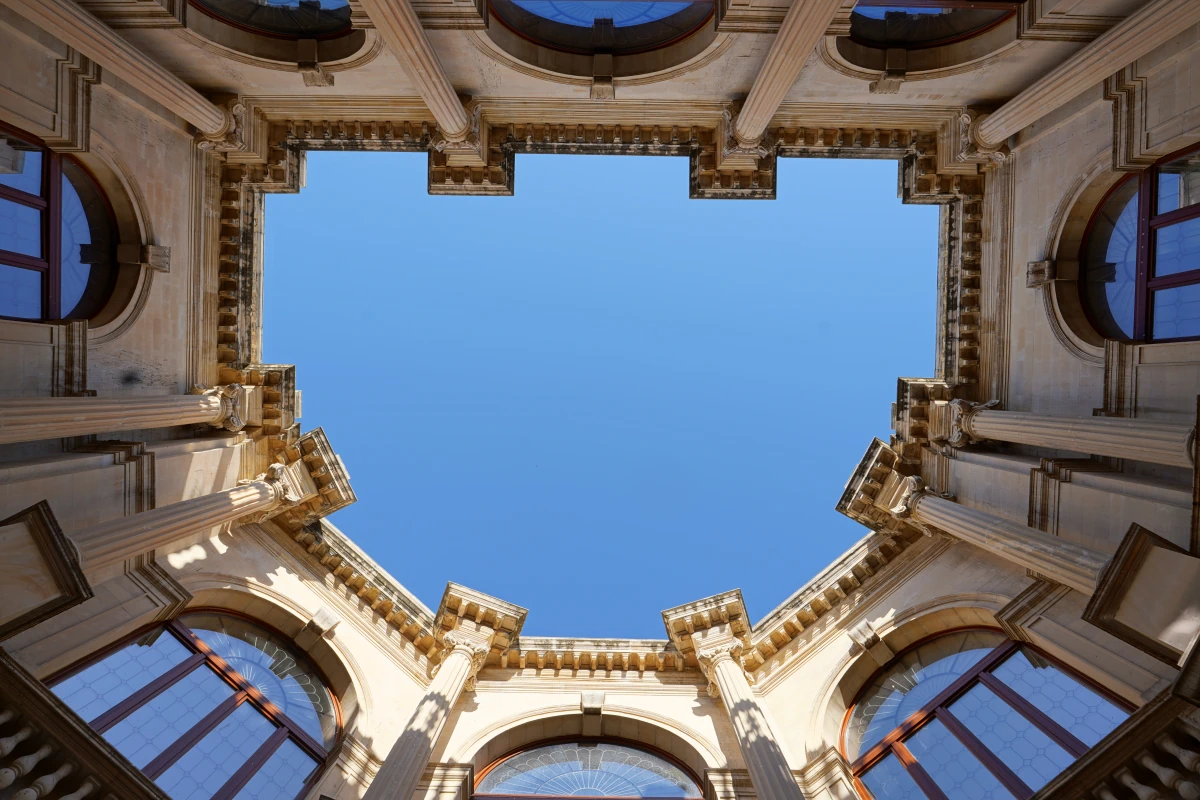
x,y
802,28
1152,25
90,36
768,767
29,419
397,779
400,27
119,539
1065,562
1137,439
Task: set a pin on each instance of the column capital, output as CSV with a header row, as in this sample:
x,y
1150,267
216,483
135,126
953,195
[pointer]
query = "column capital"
x,y
309,481
972,147
234,405
881,494
734,150
718,647
709,631
467,148
951,422
231,136
477,624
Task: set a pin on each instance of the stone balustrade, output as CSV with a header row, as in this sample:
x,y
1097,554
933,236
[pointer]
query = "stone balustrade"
x,y
1153,755
49,753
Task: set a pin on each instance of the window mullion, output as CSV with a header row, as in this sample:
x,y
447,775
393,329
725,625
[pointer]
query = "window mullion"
x,y
147,693
1032,713
922,778
245,772
22,198
994,765
197,732
1141,323
53,240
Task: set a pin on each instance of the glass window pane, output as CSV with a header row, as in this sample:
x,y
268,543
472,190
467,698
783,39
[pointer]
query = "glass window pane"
x,y
204,769
284,676
1110,262
20,229
155,726
1179,183
107,682
87,245
1065,700
1023,748
911,682
282,777
593,770
915,27
888,780
1177,312
20,164
953,768
20,293
296,18
1177,248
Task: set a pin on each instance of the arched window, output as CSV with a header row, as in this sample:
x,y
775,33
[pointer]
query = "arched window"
x,y
925,23
1140,260
57,234
211,706
288,19
971,716
586,769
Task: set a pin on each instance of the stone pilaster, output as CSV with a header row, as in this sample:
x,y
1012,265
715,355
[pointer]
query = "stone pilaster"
x,y
879,489
1150,26
715,629
960,422
29,419
90,36
471,625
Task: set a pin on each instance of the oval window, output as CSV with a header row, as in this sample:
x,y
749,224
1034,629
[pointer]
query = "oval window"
x,y
299,19
913,27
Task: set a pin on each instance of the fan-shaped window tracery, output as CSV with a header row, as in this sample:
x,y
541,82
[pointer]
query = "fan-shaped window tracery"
x,y
587,769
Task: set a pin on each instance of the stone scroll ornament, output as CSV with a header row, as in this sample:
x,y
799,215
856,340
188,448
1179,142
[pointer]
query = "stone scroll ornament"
x,y
474,649
969,147
232,136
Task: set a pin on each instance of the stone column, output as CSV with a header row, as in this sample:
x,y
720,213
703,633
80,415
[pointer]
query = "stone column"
x,y
117,540
83,31
1063,562
406,761
802,28
1150,26
1155,441
719,654
400,28
29,419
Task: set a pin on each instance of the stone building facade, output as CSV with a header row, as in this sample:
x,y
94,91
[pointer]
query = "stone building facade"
x,y
1032,527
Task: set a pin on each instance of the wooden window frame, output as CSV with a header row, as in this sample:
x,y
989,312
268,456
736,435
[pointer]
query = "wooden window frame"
x,y
244,692
1149,222
49,203
938,708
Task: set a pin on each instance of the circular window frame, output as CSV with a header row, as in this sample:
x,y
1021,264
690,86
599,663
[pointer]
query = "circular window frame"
x,y
336,52
586,740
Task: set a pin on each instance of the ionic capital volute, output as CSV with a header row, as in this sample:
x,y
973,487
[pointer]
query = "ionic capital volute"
x,y
951,422
231,138
971,146
233,411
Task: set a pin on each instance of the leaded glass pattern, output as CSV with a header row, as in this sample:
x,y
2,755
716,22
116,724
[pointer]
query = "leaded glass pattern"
x,y
580,769
1023,748
112,679
953,768
915,679
179,708
1082,711
971,716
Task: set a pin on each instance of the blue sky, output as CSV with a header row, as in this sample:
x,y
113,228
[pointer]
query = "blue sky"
x,y
598,398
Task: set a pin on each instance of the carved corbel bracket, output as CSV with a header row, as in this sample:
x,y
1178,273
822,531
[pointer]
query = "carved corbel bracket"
x,y
1040,273
866,639
232,136
970,149
156,257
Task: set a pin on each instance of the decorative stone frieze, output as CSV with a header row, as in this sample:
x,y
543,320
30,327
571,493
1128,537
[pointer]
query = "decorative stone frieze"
x,y
592,656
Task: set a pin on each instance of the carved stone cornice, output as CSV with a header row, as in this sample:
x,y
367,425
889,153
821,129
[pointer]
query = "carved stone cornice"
x,y
711,618
309,482
878,485
471,619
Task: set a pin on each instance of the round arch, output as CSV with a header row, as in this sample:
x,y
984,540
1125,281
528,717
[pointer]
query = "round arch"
x,y
630,726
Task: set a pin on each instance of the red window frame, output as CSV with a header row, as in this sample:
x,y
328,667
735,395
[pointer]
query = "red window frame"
x,y
245,692
1149,222
49,203
938,708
